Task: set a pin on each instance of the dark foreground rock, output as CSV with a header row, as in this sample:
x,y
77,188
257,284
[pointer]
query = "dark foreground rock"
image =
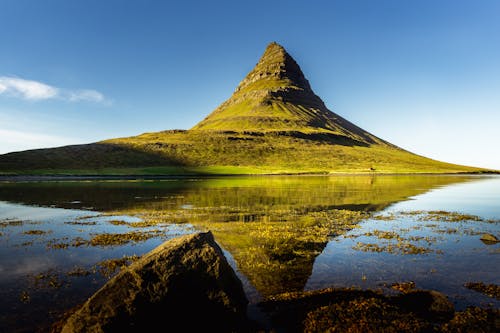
x,y
183,285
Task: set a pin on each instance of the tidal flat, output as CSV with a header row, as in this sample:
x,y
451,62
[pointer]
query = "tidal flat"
x,y
60,241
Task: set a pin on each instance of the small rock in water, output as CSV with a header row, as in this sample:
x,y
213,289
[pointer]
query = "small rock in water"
x,y
489,239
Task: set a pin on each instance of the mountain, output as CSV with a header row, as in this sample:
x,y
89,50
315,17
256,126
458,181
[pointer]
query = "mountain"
x,y
276,96
272,123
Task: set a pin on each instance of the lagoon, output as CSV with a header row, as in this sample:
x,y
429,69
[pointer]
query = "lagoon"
x,y
61,240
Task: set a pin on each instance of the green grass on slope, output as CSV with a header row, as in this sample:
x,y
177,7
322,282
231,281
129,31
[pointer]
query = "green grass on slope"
x,y
281,152
270,153
210,152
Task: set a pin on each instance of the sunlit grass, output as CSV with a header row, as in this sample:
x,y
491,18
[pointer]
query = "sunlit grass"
x,y
220,153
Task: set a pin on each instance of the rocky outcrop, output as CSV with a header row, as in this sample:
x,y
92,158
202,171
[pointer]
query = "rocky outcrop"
x,y
185,283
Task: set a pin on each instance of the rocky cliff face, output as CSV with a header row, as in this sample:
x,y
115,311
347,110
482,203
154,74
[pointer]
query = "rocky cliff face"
x,y
276,96
276,64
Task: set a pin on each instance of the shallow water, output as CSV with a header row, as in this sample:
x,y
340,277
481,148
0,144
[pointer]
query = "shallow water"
x,y
280,233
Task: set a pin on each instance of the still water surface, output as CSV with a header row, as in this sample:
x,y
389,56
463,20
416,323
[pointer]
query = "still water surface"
x,y
280,233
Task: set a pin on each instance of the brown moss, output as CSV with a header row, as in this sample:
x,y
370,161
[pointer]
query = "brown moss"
x,y
117,222
491,290
37,232
10,223
47,280
57,245
474,319
25,297
403,286
104,239
363,315
108,239
388,217
25,244
403,248
78,222
64,243
109,267
79,271
383,234
354,310
141,224
450,216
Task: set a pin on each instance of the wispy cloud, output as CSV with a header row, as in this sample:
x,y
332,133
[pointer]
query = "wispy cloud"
x,y
35,91
84,95
26,89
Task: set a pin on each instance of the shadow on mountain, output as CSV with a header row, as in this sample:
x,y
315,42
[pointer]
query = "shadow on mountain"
x,y
329,138
86,156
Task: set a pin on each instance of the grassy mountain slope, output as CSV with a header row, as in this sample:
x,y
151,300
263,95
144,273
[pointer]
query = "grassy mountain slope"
x,y
273,123
179,152
283,152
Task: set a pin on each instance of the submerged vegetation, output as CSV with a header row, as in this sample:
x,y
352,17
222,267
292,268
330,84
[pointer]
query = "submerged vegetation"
x,y
109,267
109,239
492,290
10,223
403,287
106,239
398,248
37,232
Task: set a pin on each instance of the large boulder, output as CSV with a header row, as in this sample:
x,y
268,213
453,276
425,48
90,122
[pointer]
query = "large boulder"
x,y
184,284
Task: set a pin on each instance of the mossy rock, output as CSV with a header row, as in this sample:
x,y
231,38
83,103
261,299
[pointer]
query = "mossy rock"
x,y
489,239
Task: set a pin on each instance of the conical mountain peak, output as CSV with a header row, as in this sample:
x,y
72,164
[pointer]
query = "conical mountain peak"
x,y
277,68
275,96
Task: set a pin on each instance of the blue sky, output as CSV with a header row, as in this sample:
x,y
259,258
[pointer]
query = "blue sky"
x,y
424,75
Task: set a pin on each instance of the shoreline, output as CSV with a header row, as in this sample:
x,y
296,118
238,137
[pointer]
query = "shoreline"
x,y
97,177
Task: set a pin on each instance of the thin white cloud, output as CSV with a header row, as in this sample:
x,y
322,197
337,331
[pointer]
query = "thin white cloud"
x,y
36,91
84,95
